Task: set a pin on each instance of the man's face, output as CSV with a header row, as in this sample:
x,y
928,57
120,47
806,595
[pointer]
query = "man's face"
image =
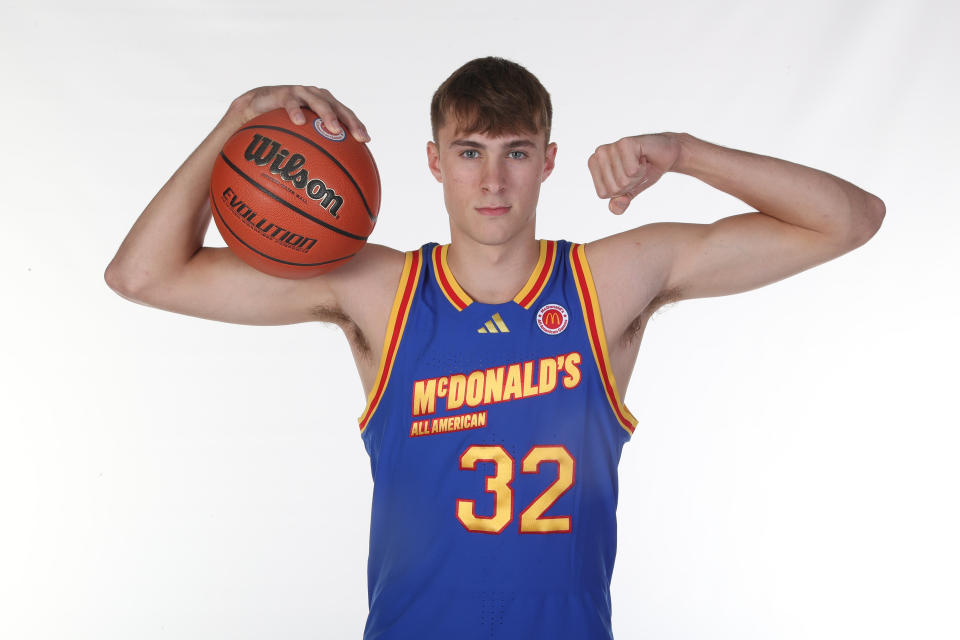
x,y
490,184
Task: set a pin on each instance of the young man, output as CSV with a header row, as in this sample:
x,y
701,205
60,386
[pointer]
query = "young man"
x,y
495,366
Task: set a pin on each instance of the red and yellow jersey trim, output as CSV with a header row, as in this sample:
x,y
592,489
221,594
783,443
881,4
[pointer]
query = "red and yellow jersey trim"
x,y
412,266
598,341
531,290
540,276
448,284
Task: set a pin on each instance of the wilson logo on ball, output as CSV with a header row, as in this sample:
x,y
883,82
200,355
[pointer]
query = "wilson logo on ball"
x,y
263,151
290,202
552,319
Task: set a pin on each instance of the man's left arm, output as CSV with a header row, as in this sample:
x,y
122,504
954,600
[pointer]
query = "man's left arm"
x,y
804,217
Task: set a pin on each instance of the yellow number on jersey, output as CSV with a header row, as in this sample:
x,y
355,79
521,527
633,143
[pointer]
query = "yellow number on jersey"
x,y
532,519
497,484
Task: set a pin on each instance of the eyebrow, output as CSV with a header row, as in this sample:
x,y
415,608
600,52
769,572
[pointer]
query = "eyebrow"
x,y
513,144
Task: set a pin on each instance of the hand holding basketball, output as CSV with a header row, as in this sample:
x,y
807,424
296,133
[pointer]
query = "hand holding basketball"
x,y
291,193
291,98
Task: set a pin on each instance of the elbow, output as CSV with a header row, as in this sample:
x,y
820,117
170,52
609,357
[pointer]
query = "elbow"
x,y
871,219
122,281
878,210
116,280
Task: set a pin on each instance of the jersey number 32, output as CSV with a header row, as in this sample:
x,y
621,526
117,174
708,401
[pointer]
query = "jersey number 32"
x,y
532,519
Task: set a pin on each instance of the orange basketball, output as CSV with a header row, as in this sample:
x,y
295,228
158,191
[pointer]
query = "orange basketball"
x,y
294,200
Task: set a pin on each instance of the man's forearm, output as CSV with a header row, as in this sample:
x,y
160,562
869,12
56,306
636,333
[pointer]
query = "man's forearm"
x,y
171,229
787,191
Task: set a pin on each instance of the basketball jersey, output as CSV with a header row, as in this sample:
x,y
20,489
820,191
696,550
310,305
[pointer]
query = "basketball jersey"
x,y
494,433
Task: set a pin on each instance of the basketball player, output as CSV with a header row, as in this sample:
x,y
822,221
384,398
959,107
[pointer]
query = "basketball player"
x,y
495,366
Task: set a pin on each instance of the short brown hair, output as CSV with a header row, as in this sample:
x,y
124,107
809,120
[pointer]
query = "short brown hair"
x,y
492,96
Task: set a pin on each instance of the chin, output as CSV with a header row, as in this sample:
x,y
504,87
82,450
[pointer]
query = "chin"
x,y
492,231
496,237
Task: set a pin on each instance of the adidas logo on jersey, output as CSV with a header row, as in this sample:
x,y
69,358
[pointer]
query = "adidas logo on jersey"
x,y
494,325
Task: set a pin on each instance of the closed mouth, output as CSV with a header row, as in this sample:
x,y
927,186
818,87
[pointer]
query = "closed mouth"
x,y
493,211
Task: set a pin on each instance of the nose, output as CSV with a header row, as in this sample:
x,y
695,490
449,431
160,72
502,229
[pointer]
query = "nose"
x,y
493,178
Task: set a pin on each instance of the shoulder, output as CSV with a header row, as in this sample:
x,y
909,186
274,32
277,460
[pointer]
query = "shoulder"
x,y
630,273
364,293
369,280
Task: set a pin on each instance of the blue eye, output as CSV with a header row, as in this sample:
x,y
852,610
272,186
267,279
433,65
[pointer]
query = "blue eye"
x,y
520,155
464,154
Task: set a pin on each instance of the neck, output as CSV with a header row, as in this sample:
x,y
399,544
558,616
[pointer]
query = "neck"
x,y
493,274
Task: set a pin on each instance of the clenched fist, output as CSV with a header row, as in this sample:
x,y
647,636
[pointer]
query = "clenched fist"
x,y
624,168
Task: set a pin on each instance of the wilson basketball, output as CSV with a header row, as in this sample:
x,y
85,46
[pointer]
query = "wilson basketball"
x,y
294,200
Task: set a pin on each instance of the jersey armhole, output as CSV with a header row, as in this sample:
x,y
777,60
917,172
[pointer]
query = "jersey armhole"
x,y
598,341
412,263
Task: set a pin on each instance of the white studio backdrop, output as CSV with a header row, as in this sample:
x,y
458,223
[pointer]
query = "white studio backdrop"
x,y
793,474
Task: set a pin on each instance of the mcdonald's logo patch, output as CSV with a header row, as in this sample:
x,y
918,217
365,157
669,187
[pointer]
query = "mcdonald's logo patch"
x,y
552,319
494,325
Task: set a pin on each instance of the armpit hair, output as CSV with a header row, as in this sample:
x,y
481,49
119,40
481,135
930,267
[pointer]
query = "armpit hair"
x,y
660,301
350,329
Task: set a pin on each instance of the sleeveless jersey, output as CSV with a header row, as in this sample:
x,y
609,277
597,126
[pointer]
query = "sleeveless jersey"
x,y
494,433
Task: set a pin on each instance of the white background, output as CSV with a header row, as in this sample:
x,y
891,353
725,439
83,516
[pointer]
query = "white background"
x,y
793,474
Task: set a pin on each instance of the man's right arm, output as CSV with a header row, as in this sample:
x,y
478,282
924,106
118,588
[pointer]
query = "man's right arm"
x,y
163,264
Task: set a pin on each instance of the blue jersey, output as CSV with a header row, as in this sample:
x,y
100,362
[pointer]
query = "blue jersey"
x,y
494,433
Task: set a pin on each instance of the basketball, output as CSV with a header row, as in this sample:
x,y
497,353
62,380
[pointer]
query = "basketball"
x,y
294,200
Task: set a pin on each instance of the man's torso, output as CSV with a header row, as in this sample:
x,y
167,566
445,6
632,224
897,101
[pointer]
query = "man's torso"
x,y
494,433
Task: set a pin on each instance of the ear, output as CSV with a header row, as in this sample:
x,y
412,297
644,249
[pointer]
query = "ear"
x,y
433,160
549,160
